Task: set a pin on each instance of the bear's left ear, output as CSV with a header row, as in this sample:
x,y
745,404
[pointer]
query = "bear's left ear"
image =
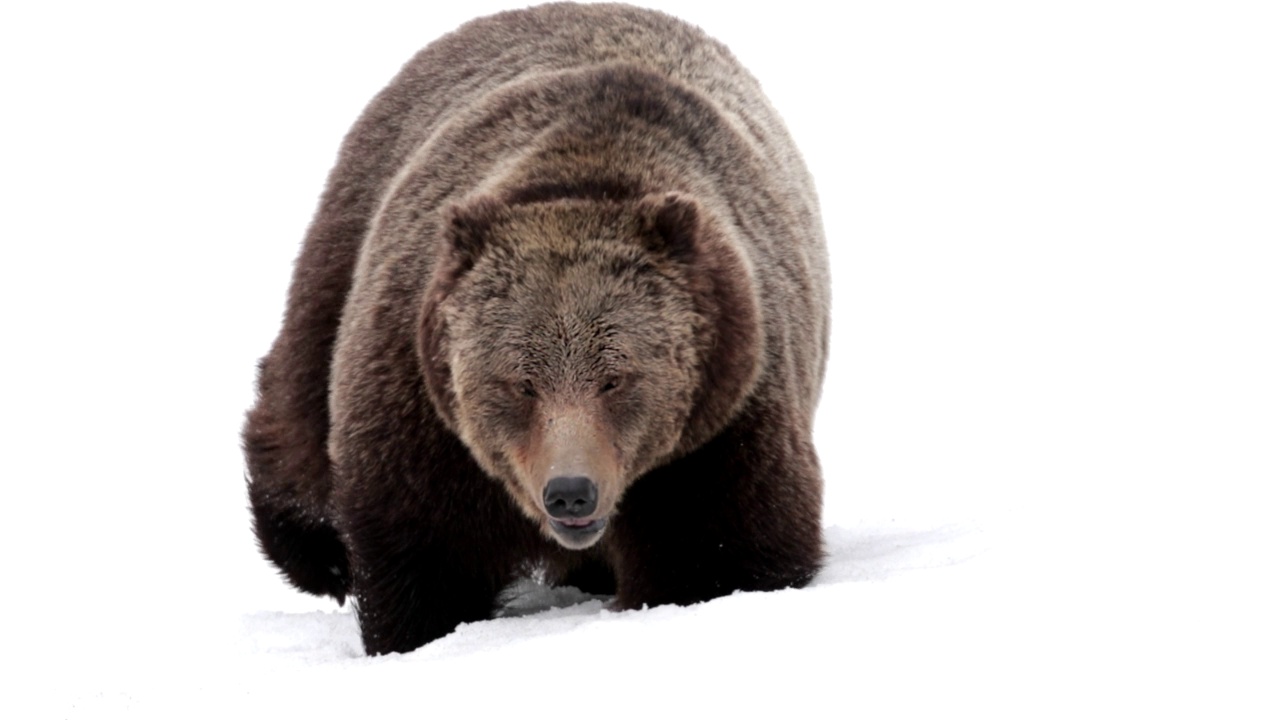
x,y
671,221
722,284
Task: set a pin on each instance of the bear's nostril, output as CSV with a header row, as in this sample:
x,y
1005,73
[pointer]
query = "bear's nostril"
x,y
570,497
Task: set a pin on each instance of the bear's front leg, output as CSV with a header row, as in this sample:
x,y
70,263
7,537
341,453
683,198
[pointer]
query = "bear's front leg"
x,y
428,550
743,512
431,540
408,593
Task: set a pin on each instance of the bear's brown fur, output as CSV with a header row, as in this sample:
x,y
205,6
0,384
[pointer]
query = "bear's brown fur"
x,y
563,305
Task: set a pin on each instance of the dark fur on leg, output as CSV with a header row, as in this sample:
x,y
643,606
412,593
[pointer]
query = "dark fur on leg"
x,y
747,519
289,478
308,552
405,598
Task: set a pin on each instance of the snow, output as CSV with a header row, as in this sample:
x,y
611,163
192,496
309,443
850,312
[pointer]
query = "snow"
x,y
1049,433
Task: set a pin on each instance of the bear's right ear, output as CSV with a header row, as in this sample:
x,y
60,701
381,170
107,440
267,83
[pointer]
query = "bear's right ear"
x,y
466,226
463,238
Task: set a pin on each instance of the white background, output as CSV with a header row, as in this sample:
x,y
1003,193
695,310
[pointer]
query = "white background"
x,y
1050,431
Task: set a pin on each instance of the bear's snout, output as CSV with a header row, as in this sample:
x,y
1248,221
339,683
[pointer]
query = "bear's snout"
x,y
572,476
570,498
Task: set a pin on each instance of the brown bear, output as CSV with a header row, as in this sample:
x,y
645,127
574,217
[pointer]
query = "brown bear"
x,y
563,308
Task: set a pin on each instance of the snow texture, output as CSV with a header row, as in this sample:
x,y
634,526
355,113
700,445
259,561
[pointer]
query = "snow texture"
x,y
1049,433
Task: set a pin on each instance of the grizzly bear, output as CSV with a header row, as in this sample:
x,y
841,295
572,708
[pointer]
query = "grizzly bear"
x,y
563,309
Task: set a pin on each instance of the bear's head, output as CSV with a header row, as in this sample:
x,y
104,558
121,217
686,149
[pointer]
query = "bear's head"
x,y
574,345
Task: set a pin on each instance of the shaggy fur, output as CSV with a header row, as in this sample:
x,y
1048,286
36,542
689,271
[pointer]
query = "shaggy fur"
x,y
564,241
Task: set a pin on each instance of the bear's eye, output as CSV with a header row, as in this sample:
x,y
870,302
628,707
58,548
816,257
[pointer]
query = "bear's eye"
x,y
610,385
525,388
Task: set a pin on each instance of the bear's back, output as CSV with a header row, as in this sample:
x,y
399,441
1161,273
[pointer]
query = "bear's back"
x,y
453,75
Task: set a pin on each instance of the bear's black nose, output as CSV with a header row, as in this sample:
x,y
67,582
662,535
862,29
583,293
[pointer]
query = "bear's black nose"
x,y
570,497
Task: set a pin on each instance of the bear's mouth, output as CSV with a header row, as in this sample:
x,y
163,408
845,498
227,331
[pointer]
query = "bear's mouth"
x,y
578,532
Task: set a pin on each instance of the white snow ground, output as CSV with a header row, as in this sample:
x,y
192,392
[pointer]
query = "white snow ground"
x,y
1050,431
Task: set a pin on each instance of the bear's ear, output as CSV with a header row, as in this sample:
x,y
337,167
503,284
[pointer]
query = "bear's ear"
x,y
465,229
671,222
722,284
466,226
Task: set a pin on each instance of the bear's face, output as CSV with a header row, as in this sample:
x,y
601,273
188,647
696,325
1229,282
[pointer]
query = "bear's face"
x,y
565,344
